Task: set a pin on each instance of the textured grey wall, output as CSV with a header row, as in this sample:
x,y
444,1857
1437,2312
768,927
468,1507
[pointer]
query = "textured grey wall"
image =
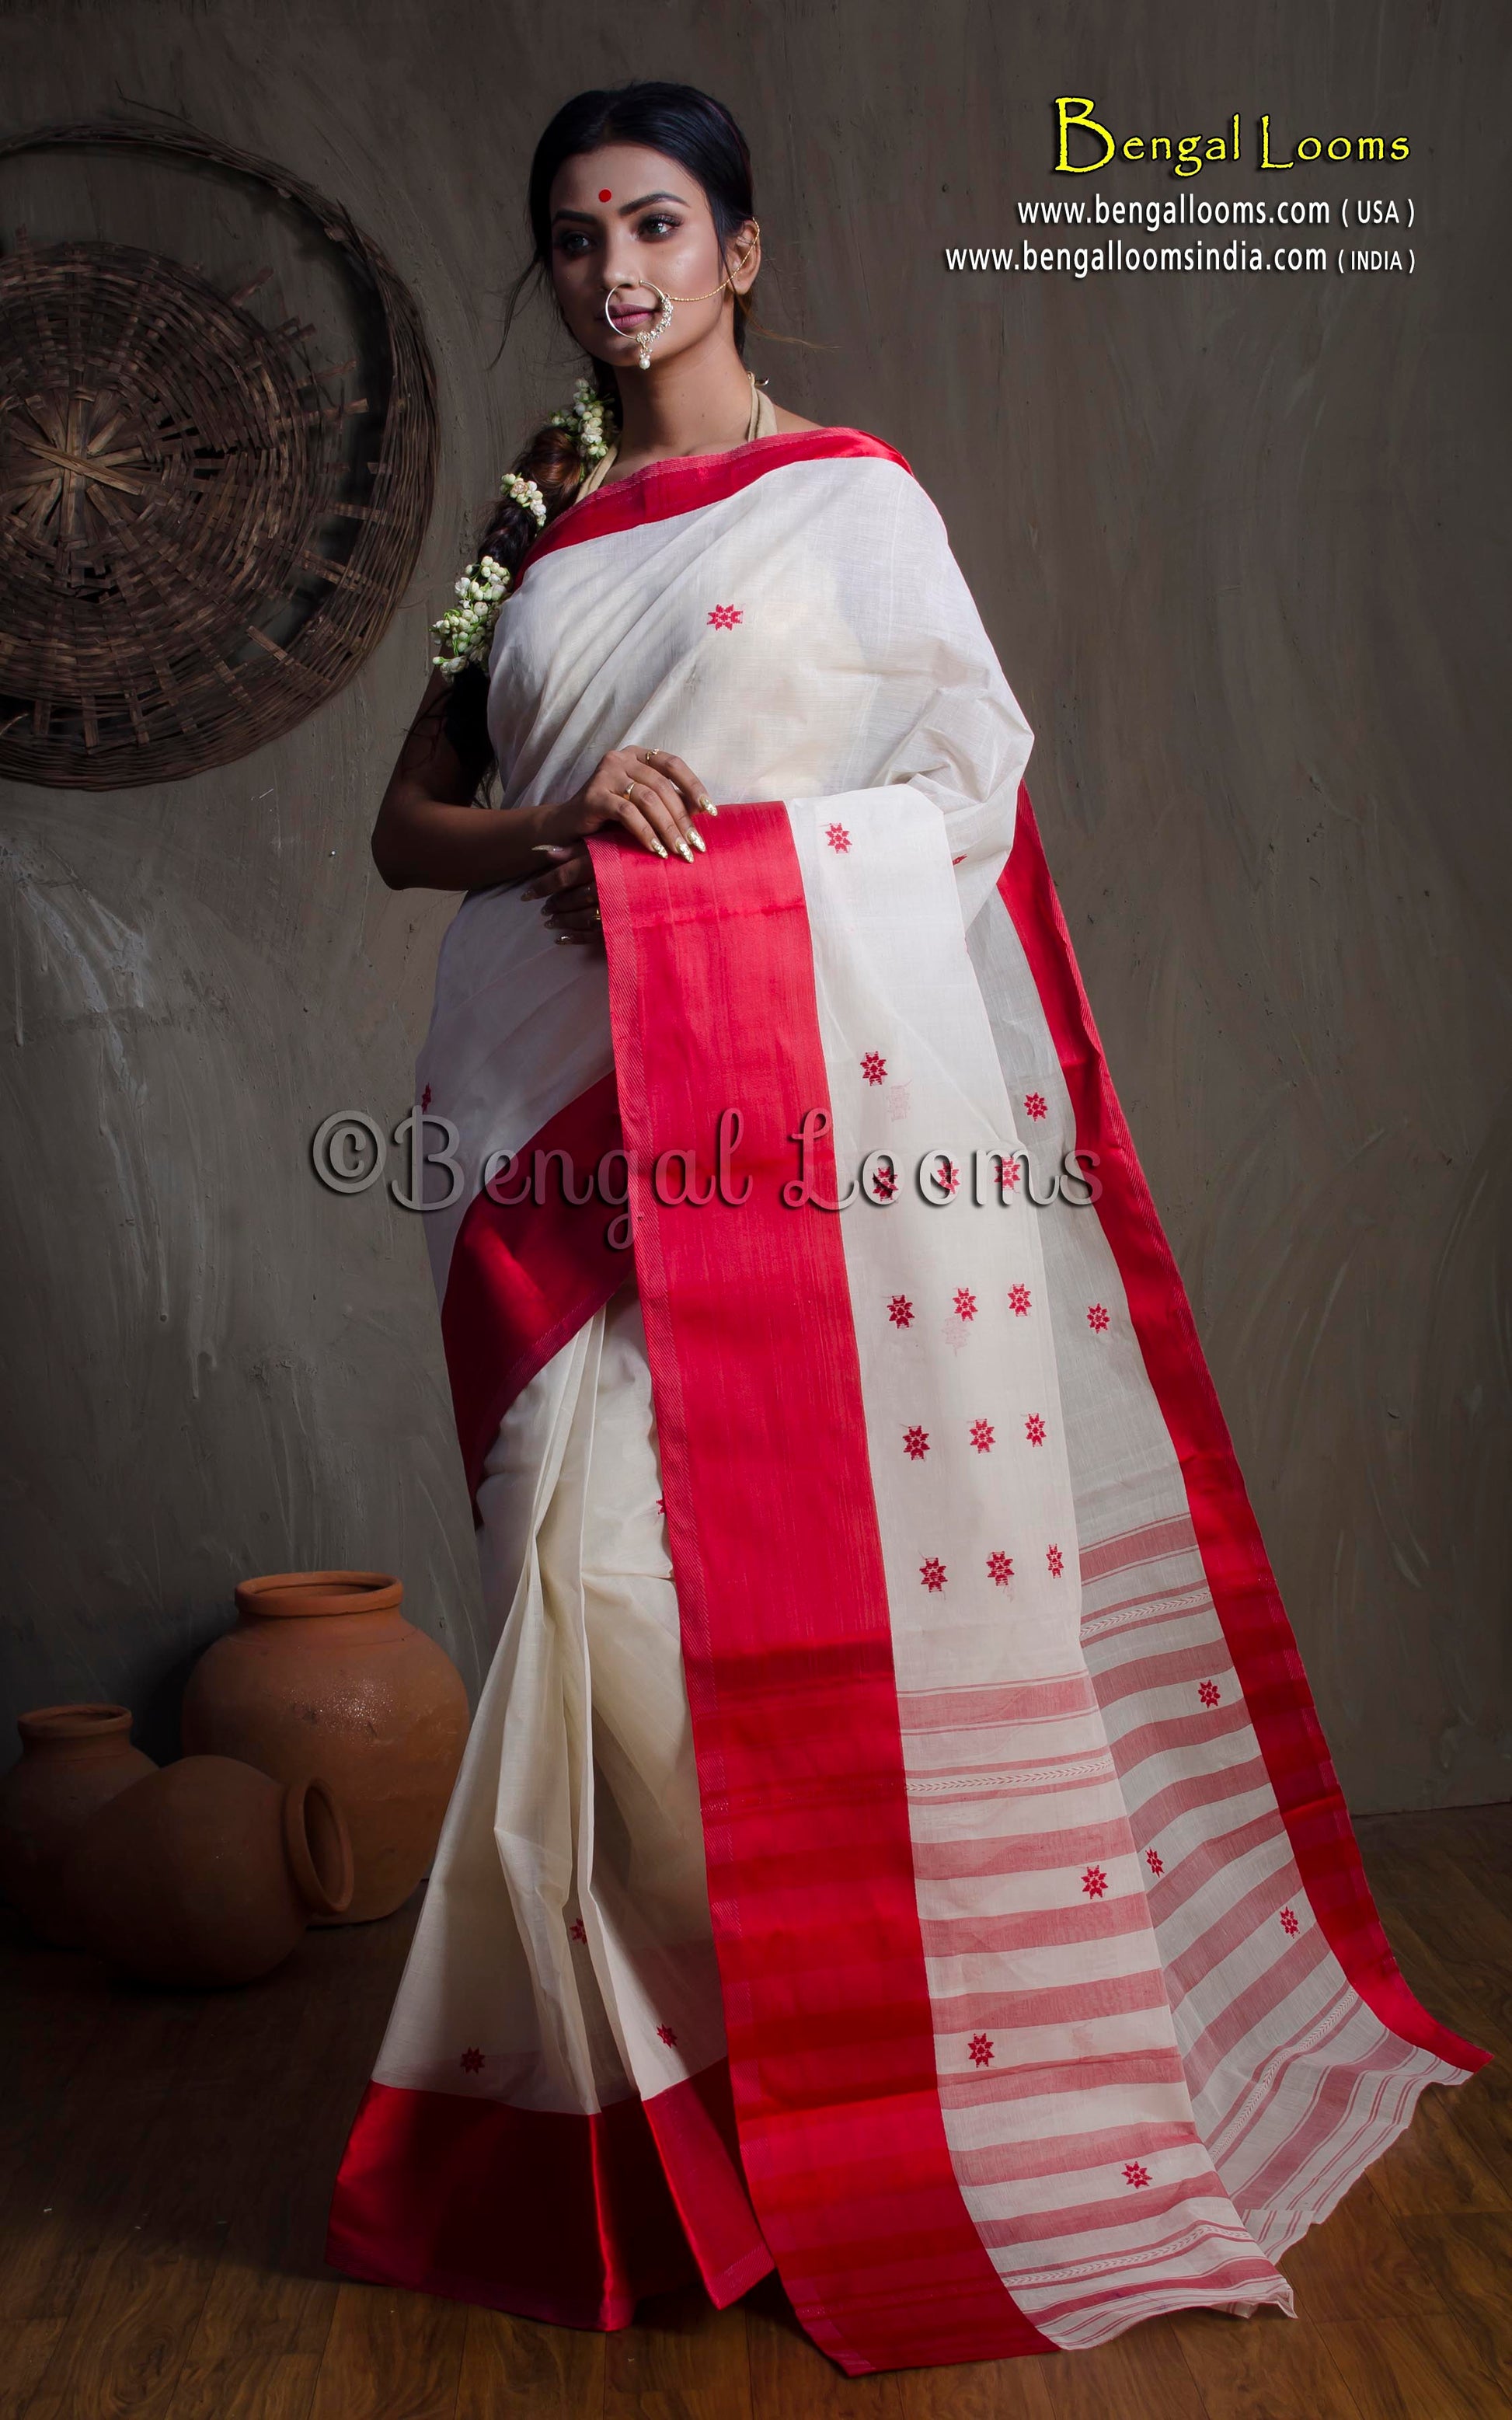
x,y
1240,542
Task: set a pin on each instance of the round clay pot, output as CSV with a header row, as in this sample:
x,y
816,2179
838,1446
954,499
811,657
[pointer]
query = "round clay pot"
x,y
322,1671
207,1872
72,1758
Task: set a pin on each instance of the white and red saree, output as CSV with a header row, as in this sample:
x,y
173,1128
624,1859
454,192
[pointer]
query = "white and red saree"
x,y
896,1843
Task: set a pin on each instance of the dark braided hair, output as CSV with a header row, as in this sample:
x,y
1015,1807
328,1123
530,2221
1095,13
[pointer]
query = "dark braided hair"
x,y
701,135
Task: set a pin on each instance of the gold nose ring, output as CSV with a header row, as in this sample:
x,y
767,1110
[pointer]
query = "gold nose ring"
x,y
645,337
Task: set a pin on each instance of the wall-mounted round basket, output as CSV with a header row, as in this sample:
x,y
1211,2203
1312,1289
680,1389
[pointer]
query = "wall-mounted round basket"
x,y
193,554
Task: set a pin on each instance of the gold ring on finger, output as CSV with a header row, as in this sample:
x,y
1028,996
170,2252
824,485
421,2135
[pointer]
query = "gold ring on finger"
x,y
629,792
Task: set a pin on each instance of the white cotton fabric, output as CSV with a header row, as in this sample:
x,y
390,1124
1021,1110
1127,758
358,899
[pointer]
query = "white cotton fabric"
x,y
856,683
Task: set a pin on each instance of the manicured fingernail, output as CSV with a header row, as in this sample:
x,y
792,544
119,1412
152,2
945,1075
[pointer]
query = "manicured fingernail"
x,y
547,848
708,806
658,847
698,842
682,850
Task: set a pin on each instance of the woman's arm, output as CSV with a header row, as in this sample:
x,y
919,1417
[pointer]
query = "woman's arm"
x,y
431,835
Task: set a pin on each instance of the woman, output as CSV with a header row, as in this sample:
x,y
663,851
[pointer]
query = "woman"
x,y
895,1843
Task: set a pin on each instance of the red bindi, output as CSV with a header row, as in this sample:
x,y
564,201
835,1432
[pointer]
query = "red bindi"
x,y
606,196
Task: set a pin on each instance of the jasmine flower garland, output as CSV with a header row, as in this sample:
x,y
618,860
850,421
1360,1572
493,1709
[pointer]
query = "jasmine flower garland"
x,y
525,492
466,633
583,420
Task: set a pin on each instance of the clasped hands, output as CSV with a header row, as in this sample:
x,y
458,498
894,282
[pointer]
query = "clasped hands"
x,y
653,797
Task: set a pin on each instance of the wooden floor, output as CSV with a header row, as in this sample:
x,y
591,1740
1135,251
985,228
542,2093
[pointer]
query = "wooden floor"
x,y
168,2163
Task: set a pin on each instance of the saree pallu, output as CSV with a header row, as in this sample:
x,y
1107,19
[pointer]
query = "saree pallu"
x,y
896,1843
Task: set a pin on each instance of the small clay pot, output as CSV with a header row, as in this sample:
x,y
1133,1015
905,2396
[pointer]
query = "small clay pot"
x,y
323,1673
207,1872
72,1760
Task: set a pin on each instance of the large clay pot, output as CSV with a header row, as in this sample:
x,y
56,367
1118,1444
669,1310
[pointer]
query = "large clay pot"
x,y
207,1872
323,1673
72,1760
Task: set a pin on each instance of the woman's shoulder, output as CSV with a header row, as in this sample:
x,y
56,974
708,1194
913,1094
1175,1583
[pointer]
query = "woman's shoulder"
x,y
791,424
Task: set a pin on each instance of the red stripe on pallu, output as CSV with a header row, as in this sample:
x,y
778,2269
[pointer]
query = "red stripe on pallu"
x,y
1081,2003
1034,1928
786,1637
664,489
992,1703
524,1277
1253,1621
543,2212
1131,1548
1070,2151
1141,1674
1129,2208
1029,1853
1101,2071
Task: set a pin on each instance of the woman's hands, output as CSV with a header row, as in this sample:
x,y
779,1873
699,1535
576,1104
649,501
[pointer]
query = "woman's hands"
x,y
433,831
651,795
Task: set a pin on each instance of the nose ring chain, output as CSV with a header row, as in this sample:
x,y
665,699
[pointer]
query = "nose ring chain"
x,y
646,337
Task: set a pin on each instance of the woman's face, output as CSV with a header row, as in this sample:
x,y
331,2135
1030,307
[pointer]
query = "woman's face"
x,y
621,217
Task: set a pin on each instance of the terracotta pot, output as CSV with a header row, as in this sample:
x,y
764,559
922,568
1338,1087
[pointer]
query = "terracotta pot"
x,y
207,1872
72,1758
323,1671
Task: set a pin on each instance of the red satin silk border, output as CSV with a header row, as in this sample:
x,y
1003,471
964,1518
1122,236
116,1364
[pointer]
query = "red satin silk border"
x,y
786,1639
551,2216
663,489
524,1277
1245,1593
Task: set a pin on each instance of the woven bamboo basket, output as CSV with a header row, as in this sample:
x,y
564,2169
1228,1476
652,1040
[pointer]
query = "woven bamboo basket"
x,y
193,555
